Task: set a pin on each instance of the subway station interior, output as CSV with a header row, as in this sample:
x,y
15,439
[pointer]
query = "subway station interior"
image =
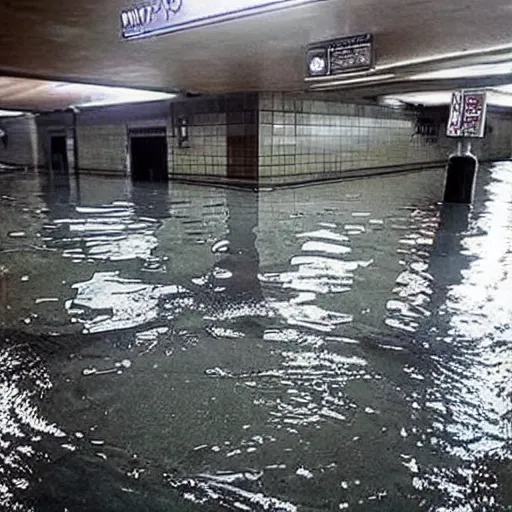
x,y
255,255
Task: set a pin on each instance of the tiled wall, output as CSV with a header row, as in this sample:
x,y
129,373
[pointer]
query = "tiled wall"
x,y
204,154
22,143
162,123
222,138
274,137
308,139
102,134
57,123
102,148
103,143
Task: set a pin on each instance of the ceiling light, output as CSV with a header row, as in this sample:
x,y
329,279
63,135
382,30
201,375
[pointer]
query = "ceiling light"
x,y
505,89
422,98
432,59
363,79
90,95
11,113
499,99
124,98
390,101
502,68
97,95
499,96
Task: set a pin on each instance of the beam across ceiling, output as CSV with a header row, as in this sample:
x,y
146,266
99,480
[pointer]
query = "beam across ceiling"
x,y
80,41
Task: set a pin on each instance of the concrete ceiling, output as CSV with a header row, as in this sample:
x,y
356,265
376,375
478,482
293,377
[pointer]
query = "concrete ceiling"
x,y
79,41
29,94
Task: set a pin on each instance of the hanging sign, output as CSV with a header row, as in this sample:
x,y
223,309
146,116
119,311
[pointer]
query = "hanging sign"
x,y
163,16
467,114
338,56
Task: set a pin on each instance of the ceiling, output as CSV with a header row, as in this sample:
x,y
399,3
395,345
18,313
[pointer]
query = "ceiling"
x,y
29,94
79,41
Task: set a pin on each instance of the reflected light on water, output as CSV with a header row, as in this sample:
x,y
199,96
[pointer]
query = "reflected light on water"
x,y
328,348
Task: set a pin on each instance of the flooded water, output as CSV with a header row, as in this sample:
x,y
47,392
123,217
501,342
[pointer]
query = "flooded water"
x,y
338,347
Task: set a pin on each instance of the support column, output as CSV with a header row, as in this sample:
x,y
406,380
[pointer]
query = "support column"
x,y
75,142
242,130
461,176
221,142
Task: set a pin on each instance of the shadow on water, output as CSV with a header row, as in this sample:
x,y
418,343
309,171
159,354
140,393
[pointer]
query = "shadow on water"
x,y
56,188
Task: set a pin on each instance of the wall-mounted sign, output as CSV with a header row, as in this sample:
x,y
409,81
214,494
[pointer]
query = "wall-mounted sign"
x,y
182,131
163,16
467,114
339,56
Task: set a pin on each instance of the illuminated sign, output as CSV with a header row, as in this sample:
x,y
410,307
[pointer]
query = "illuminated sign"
x,y
163,16
467,114
338,56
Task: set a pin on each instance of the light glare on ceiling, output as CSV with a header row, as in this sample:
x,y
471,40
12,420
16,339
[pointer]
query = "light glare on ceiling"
x,y
349,81
99,95
10,113
502,68
499,96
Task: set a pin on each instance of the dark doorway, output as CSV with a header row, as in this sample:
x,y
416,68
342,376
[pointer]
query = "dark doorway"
x,y
149,158
58,153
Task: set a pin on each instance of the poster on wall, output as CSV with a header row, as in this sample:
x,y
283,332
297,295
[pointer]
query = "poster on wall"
x,y
467,114
158,17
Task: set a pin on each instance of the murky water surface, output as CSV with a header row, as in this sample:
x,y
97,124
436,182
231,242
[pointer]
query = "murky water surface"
x,y
337,347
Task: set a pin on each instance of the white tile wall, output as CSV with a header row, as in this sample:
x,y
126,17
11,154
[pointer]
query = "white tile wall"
x,y
310,139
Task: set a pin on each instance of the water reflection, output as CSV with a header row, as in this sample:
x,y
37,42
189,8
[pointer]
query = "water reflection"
x,y
321,348
455,358
236,271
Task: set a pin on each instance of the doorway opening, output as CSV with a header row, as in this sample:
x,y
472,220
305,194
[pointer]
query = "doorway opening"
x,y
58,154
148,154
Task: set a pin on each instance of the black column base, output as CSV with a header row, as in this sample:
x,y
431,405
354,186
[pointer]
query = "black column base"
x,y
460,179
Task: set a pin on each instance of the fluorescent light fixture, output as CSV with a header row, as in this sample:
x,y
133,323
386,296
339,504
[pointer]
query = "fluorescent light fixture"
x,y
98,95
446,56
499,97
390,101
364,79
502,68
505,89
11,113
422,98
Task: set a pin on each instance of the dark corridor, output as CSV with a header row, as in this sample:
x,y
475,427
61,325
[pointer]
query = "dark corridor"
x,y
149,158
59,153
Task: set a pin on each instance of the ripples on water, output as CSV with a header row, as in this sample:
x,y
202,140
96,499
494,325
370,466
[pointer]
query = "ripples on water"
x,y
326,348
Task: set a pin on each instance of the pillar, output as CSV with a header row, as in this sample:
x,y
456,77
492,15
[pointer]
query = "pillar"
x,y
461,177
242,129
